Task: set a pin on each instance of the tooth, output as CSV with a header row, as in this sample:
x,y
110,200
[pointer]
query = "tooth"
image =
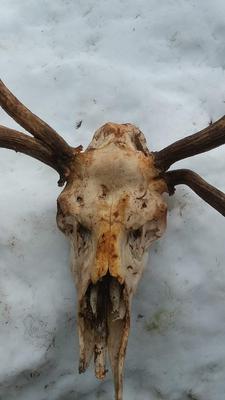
x,y
114,293
100,352
122,310
94,299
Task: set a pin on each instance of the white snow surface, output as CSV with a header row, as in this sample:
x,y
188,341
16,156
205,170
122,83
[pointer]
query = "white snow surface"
x,y
159,65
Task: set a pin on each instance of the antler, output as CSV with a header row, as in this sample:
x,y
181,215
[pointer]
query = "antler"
x,y
209,138
207,192
18,141
47,145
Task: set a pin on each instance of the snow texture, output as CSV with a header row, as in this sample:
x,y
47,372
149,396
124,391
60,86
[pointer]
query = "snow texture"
x,y
159,65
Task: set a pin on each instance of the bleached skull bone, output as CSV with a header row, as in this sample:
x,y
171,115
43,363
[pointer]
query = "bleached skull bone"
x,y
111,209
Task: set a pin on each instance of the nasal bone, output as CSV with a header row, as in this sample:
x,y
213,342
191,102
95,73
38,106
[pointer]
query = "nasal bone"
x,y
108,258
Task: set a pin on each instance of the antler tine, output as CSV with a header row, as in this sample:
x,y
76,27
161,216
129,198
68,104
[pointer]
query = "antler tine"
x,y
204,140
18,141
207,192
33,124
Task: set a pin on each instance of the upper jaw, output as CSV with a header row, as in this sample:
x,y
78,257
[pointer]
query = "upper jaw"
x,y
103,323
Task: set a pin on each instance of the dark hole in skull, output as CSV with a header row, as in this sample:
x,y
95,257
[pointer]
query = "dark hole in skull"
x,y
80,200
136,233
135,242
140,239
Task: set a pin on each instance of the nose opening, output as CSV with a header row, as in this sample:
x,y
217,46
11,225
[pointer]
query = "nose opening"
x,y
105,298
104,322
102,308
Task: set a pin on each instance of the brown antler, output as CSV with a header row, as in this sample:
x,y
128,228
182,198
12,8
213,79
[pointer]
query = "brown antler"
x,y
207,192
18,141
47,145
204,140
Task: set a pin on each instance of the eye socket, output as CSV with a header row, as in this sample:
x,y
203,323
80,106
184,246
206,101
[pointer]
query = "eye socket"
x,y
82,231
135,239
136,233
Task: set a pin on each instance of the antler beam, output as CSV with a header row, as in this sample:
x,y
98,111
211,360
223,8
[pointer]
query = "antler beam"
x,y
33,124
207,139
207,192
46,145
18,141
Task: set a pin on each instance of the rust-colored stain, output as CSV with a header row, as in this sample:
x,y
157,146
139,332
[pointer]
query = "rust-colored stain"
x,y
117,130
107,256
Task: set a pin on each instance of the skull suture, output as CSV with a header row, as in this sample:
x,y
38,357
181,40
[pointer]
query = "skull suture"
x,y
112,210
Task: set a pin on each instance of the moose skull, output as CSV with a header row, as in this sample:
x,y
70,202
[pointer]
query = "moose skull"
x,y
112,210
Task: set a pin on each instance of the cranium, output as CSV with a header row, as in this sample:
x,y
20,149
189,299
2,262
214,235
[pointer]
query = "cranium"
x,y
111,209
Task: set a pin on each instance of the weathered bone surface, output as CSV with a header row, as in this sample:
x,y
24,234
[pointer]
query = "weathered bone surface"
x,y
112,210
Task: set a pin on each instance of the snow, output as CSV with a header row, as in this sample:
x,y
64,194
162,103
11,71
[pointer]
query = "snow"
x,y
159,65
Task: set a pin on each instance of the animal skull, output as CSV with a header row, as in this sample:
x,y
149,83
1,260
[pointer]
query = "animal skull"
x,y
112,210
